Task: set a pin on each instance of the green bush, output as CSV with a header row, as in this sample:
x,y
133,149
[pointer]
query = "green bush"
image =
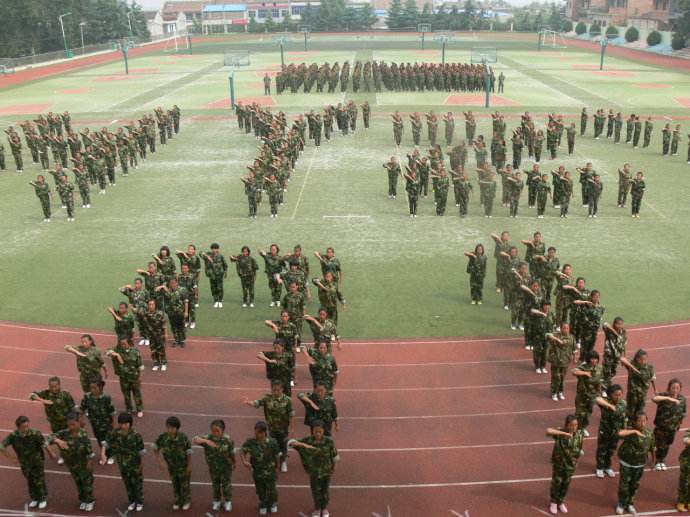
x,y
595,29
677,42
612,32
632,34
580,28
654,38
567,26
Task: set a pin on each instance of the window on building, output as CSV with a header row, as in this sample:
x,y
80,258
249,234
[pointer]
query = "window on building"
x,y
261,13
284,12
251,14
275,13
297,10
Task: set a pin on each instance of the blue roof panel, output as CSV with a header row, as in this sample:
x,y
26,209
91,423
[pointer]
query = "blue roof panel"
x,y
228,8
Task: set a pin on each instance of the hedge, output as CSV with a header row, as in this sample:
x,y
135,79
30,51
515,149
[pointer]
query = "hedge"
x,y
612,32
654,38
580,28
677,42
632,34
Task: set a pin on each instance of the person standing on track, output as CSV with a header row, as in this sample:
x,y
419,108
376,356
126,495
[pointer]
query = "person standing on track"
x,y
566,452
589,379
560,354
57,403
261,455
319,457
671,409
99,409
640,376
89,361
613,419
637,447
128,367
173,451
615,343
219,450
476,268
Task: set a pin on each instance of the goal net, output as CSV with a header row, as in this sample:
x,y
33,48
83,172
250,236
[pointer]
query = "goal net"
x,y
236,58
552,39
483,55
176,42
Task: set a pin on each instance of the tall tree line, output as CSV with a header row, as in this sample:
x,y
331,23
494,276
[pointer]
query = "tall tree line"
x,y
32,26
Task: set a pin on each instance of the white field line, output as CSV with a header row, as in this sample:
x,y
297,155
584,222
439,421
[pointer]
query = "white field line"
x,y
304,183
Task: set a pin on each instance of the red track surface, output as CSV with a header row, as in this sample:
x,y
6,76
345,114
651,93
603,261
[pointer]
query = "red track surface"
x,y
428,427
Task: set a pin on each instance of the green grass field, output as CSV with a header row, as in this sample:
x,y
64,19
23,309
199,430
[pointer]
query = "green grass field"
x,y
404,278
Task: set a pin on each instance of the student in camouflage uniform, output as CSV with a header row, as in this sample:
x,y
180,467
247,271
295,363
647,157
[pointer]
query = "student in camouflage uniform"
x,y
193,260
640,376
129,371
261,455
278,413
412,188
124,322
173,450
566,451
246,270
319,456
66,191
286,331
615,343
57,403
156,331
43,193
320,407
81,177
583,121
514,188
75,449
323,328
16,148
684,479
476,268
591,312
561,348
624,181
322,366
29,446
636,192
138,298
502,244
187,282
666,139
329,295
393,169
89,361
637,447
589,379
127,448
219,450
671,409
273,265
216,270
294,300
542,323
99,409
397,128
177,307
613,419
648,128
279,365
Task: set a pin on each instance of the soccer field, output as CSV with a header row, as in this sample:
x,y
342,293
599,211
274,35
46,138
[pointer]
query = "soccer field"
x,y
403,277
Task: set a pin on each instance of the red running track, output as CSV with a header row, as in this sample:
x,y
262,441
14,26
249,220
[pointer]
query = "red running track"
x,y
428,427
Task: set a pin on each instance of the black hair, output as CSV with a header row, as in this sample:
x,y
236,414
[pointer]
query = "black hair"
x,y
593,354
21,420
73,415
317,423
617,319
639,354
614,388
124,418
261,426
246,248
173,421
277,383
215,246
569,419
89,337
54,378
218,423
672,382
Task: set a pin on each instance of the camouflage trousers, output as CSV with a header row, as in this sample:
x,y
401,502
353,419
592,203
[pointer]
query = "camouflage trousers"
x,y
557,379
267,491
583,409
628,485
589,340
684,482
247,289
85,380
83,478
609,370
607,441
131,392
517,310
393,185
158,350
275,287
636,403
85,194
45,206
177,325
319,491
663,439
560,481
134,483
36,479
182,486
476,288
216,288
282,438
222,484
539,350
397,136
69,203
19,162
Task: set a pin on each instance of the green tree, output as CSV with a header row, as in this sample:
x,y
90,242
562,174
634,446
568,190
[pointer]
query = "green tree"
x,y
425,16
653,38
395,15
469,16
632,34
410,15
678,41
611,32
555,20
366,17
580,28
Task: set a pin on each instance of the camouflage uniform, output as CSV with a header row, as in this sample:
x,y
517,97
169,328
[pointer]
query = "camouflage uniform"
x,y
591,321
176,452
607,440
155,331
99,411
175,307
319,464
294,304
219,460
614,349
78,456
560,357
280,372
273,265
669,416
124,327
43,195
476,268
66,192
29,451
189,283
638,386
264,459
278,413
566,452
130,377
325,369
215,271
684,481
90,366
246,270
138,301
588,388
326,414
632,455
328,332
127,450
62,405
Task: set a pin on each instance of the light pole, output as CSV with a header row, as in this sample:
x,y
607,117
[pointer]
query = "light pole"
x,y
129,22
62,28
604,43
81,31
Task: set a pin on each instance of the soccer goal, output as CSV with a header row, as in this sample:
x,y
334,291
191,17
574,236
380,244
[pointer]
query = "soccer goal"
x,y
483,55
178,41
552,39
6,66
236,58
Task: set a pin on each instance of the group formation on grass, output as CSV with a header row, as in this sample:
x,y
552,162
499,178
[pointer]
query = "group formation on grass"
x,y
160,297
94,155
379,76
555,333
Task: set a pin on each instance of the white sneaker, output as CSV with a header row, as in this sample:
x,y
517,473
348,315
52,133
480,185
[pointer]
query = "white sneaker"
x,y
657,466
561,396
631,509
610,473
155,368
88,205
140,414
110,461
216,506
42,505
272,304
131,507
538,370
554,398
263,511
506,308
142,342
283,467
544,370
82,506
522,327
192,325
60,461
600,474
553,509
186,506
227,506
220,305
215,305
89,507
196,305
513,327
586,433
251,305
33,504
562,508
244,305
139,508
274,508
277,304
164,368
147,343
663,466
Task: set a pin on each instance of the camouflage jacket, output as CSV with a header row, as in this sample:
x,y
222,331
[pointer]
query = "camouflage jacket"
x,y
28,448
277,411
566,451
246,266
175,450
669,415
589,386
63,403
264,457
320,461
78,452
219,459
327,412
90,366
99,410
613,421
127,449
638,383
635,450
